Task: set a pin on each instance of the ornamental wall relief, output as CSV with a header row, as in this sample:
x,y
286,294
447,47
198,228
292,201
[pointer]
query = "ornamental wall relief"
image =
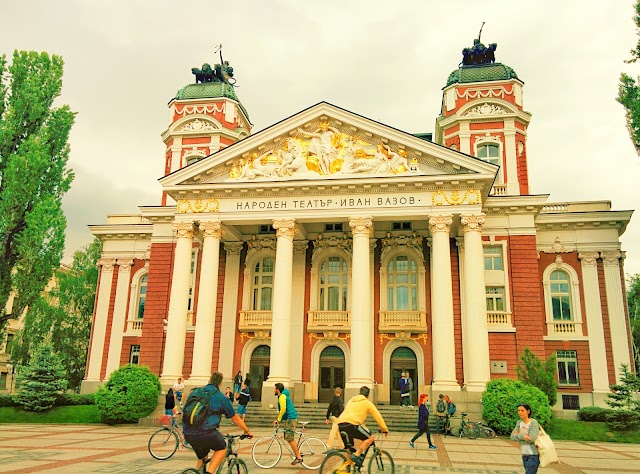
x,y
323,151
486,109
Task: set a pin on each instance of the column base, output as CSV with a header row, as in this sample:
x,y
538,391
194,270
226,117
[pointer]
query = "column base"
x,y
200,381
475,386
444,387
90,386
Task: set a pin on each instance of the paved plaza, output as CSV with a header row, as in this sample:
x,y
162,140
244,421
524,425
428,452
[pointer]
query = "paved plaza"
x,y
123,449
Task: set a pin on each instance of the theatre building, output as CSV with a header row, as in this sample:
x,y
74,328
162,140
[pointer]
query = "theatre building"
x,y
332,250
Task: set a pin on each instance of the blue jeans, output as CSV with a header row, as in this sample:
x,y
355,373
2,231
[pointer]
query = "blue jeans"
x,y
530,463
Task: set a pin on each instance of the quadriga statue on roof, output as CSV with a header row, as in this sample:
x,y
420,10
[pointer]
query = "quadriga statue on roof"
x,y
221,72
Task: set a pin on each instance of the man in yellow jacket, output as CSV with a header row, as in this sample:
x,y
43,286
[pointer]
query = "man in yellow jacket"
x,y
352,419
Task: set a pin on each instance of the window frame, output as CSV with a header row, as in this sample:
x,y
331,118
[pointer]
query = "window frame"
x,y
561,357
418,258
481,141
135,353
319,256
576,304
258,289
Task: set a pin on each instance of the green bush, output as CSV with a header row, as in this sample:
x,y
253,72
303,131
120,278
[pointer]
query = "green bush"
x,y
130,393
623,420
593,414
8,401
500,404
74,399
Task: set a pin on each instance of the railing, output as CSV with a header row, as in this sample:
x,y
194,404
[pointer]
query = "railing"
x,y
555,208
564,327
407,321
319,321
255,320
134,326
499,320
499,190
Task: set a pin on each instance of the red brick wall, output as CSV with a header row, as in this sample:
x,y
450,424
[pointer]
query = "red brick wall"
x,y
127,342
219,302
606,326
239,344
307,345
457,310
626,315
502,347
428,347
584,363
378,345
523,172
156,306
107,337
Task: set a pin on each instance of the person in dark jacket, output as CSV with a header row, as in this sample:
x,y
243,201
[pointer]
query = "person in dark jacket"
x,y
169,405
335,409
423,421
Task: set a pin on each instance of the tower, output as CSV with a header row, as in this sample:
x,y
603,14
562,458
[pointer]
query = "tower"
x,y
206,116
482,115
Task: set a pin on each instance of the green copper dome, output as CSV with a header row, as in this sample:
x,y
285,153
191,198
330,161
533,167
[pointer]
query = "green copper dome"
x,y
210,90
481,73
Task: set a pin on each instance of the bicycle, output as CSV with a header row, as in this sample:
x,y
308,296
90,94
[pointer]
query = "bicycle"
x,y
267,450
235,465
485,430
338,461
466,428
165,442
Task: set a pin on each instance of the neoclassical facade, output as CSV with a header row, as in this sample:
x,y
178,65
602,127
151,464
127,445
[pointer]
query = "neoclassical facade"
x,y
330,249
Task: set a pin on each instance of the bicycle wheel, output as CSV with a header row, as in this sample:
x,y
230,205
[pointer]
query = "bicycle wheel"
x,y
487,432
237,466
471,430
312,451
163,444
381,461
335,463
266,452
191,471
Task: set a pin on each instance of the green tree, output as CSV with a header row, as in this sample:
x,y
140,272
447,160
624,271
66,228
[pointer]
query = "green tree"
x,y
622,394
531,370
633,301
629,91
40,383
33,176
64,315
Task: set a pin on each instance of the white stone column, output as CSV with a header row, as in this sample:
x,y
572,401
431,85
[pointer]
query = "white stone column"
x,y
99,327
119,315
179,299
361,371
279,370
475,334
617,320
297,308
511,162
442,335
207,296
230,310
593,310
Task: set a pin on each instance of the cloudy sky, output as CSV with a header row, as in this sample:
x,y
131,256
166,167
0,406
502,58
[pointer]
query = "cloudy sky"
x,y
124,60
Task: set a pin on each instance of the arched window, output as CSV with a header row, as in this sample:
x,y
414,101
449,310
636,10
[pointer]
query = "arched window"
x,y
333,284
402,284
263,284
489,152
142,296
560,296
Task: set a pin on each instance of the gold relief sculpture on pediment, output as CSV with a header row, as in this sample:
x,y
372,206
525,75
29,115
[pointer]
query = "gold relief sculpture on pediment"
x,y
323,151
197,205
456,197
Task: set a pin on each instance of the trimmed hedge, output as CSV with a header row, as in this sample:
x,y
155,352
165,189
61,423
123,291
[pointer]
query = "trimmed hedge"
x,y
623,420
500,404
593,414
62,400
130,393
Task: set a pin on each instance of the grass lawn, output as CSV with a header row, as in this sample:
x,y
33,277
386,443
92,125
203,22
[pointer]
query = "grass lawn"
x,y
73,414
573,430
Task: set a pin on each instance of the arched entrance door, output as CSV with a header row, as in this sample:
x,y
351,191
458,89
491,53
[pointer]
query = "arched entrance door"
x,y
259,370
331,372
403,359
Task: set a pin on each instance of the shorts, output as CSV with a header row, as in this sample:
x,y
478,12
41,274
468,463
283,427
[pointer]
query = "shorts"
x,y
242,409
289,428
353,432
204,441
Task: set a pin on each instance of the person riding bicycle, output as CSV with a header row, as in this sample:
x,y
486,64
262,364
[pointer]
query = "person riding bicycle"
x,y
206,437
288,415
351,422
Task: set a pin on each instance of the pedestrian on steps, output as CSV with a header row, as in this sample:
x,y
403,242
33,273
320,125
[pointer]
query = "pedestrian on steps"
x,y
424,408
335,409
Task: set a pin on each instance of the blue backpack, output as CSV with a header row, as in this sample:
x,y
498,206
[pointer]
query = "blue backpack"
x,y
196,409
451,410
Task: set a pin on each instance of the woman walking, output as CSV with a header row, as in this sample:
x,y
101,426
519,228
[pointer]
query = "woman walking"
x,y
526,431
423,421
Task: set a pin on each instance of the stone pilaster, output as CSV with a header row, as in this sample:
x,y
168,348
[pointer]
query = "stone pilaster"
x,y
119,315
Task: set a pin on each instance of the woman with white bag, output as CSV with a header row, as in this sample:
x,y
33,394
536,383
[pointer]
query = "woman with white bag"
x,y
526,431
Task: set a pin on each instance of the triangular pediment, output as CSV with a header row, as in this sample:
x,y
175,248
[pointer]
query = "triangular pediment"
x,y
325,142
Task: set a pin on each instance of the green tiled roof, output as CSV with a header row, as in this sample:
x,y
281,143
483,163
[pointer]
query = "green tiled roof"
x,y
210,90
481,73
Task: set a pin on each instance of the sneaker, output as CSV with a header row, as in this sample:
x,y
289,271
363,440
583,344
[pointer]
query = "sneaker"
x,y
296,461
432,447
411,444
357,459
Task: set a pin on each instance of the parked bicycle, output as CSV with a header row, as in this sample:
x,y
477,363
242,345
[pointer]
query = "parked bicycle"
x,y
234,464
485,430
267,450
165,442
338,461
466,428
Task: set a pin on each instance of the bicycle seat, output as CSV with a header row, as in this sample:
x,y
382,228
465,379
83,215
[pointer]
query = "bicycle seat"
x,y
304,423
463,414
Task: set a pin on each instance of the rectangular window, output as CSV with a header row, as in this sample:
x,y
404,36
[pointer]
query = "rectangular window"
x,y
333,227
570,402
561,307
493,257
495,298
266,229
401,225
567,367
134,354
9,346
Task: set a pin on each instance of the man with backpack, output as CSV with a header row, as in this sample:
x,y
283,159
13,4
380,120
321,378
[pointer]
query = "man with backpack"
x,y
403,384
202,414
441,414
288,416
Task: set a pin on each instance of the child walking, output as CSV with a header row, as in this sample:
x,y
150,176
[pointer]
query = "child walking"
x,y
423,421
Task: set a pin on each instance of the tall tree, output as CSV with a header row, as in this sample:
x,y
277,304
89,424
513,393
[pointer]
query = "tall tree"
x,y
633,300
533,371
64,315
34,176
629,90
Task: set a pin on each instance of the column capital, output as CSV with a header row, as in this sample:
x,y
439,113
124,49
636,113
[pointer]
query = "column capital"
x,y
183,229
300,246
233,248
107,264
441,223
211,229
472,222
588,258
611,258
285,228
124,263
361,225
